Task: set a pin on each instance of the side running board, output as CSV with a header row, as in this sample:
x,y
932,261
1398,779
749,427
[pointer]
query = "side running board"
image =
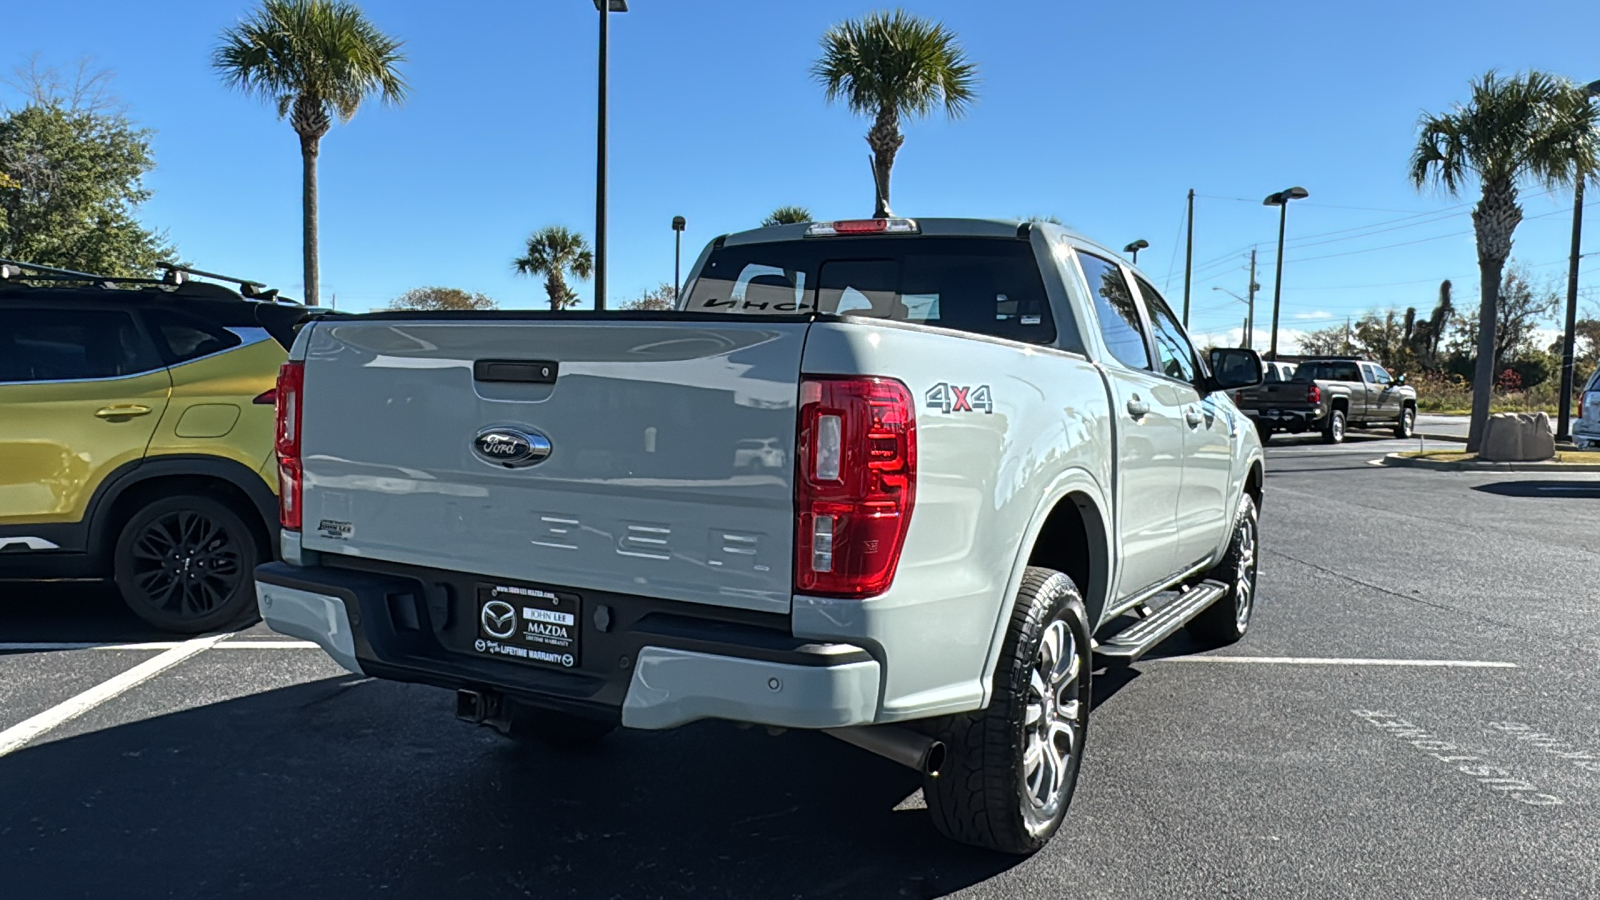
x,y
1137,639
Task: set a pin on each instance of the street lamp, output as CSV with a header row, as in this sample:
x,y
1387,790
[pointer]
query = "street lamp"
x,y
1564,412
613,6
1135,247
678,224
1281,201
1250,313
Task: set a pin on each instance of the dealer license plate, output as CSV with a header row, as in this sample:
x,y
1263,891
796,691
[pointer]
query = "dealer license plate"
x,y
529,624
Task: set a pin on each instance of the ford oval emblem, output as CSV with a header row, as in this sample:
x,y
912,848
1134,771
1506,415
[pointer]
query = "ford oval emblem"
x,y
510,447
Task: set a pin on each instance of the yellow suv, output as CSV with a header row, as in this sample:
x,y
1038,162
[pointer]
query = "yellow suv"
x,y
136,426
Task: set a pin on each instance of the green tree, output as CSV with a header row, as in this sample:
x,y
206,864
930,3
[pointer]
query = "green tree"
x,y
1520,308
314,60
894,66
787,215
1324,341
554,252
442,298
71,183
663,297
1528,127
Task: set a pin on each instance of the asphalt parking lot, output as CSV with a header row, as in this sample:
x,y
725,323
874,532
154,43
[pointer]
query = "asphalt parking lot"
x,y
1412,714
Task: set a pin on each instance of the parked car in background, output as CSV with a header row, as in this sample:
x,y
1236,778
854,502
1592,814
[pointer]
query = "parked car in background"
x,y
1271,373
1330,394
1586,426
975,445
136,425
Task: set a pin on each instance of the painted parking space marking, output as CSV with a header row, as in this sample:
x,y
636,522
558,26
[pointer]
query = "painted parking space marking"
x,y
234,644
1342,661
1587,760
1471,764
20,734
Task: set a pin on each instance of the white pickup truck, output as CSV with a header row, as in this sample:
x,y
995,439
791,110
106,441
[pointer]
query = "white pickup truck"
x,y
901,481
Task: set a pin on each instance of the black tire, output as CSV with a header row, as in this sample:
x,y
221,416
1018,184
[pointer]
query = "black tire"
x,y
1264,431
1407,423
1333,429
1226,621
569,733
185,564
988,794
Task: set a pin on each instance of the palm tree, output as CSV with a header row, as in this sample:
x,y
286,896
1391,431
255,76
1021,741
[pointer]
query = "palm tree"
x,y
892,66
1529,127
553,252
787,215
315,60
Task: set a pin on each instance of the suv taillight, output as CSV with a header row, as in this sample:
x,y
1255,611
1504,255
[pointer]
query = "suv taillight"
x,y
855,482
1313,394
291,387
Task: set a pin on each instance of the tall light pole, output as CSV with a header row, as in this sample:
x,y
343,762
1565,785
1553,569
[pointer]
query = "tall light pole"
x,y
605,9
678,224
1135,247
1281,201
1564,411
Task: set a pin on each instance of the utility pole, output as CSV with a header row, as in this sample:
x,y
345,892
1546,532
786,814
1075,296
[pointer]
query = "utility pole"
x,y
1188,259
1564,412
1250,320
1346,335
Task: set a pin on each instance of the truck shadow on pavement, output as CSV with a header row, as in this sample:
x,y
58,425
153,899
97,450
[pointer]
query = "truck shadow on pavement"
x,y
1544,490
351,787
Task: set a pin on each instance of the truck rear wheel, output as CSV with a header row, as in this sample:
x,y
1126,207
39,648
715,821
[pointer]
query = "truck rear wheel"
x,y
184,563
1226,620
1011,769
1333,429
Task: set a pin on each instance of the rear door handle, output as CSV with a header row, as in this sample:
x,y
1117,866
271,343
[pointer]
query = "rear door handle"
x,y
119,412
1138,408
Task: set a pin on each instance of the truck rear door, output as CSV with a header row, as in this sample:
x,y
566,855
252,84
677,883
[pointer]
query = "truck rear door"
x,y
635,455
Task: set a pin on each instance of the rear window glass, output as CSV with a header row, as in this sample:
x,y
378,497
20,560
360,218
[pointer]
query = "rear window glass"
x,y
1327,371
984,286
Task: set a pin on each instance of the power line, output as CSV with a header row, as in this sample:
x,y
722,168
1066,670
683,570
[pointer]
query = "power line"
x,y
1166,285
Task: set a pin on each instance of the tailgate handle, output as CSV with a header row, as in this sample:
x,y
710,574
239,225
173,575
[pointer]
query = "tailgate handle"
x,y
525,371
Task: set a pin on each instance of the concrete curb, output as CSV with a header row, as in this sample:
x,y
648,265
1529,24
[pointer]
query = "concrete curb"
x,y
1452,438
1395,459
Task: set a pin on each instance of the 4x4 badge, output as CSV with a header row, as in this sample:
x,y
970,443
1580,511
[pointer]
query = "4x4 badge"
x,y
958,398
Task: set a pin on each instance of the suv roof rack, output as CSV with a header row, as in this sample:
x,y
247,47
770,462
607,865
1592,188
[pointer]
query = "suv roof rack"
x,y
174,276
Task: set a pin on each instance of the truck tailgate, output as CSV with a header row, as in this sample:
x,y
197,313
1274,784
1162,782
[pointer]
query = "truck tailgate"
x,y
1282,395
670,451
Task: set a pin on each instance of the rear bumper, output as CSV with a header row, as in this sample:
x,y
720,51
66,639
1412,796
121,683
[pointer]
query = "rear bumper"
x,y
1287,419
646,663
1584,428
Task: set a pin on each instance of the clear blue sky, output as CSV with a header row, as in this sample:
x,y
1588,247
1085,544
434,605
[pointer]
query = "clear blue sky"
x,y
1103,115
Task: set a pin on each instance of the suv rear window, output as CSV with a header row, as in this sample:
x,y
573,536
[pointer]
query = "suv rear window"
x,y
988,286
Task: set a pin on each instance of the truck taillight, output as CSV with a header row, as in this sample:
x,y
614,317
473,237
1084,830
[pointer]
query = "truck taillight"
x,y
855,482
1313,394
290,390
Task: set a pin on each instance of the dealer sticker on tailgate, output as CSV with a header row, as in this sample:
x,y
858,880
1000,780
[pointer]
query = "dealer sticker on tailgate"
x,y
529,624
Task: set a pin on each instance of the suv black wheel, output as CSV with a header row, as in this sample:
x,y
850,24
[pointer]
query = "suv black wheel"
x,y
1226,620
184,564
1408,421
1011,769
1333,429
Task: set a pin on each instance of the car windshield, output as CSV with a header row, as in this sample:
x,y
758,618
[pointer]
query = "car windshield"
x,y
985,286
1327,371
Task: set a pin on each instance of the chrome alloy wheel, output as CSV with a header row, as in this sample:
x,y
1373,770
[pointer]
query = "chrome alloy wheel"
x,y
1244,587
1053,721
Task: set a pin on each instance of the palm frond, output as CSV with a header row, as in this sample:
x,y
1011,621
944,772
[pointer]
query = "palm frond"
x,y
326,50
895,61
555,249
787,215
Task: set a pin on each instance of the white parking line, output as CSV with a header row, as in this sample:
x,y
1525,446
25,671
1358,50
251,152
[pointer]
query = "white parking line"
x,y
1342,661
236,644
20,734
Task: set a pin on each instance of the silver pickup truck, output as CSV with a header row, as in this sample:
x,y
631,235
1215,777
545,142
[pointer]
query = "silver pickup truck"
x,y
899,481
1330,394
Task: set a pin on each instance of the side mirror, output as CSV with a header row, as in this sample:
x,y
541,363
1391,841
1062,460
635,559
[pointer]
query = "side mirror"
x,y
1235,368
1400,379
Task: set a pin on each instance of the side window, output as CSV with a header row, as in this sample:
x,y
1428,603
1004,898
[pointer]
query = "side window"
x,y
183,338
1380,375
1177,354
1118,314
1346,372
71,345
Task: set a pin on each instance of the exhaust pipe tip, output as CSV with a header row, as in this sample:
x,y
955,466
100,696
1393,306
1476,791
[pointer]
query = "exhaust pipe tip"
x,y
897,744
933,760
